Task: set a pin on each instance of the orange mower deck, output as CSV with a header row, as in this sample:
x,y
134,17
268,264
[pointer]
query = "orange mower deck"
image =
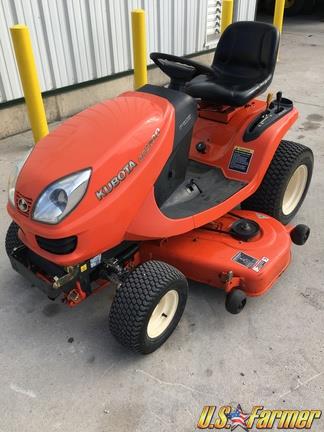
x,y
218,259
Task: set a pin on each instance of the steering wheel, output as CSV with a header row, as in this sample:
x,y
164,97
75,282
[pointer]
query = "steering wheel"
x,y
180,69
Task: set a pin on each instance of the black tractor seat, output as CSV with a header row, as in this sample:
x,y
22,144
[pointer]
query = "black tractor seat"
x,y
243,65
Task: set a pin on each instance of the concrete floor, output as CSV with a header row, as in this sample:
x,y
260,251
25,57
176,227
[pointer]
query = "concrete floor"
x,y
271,354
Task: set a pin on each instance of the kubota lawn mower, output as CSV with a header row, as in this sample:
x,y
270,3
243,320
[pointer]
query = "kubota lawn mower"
x,y
143,191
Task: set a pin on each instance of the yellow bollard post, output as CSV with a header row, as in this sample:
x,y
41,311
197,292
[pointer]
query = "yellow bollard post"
x,y
139,47
227,14
279,14
29,80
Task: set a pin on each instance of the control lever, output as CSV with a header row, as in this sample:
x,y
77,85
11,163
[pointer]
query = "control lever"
x,y
267,111
278,101
269,99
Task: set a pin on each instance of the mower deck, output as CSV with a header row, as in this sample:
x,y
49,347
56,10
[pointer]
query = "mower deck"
x,y
213,256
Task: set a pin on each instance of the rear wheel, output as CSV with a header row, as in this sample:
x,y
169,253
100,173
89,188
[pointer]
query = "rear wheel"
x,y
148,306
12,239
284,187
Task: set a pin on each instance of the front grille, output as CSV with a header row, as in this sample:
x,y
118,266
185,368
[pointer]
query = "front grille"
x,y
19,198
61,246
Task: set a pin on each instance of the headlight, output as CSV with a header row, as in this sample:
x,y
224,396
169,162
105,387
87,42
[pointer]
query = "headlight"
x,y
13,178
61,197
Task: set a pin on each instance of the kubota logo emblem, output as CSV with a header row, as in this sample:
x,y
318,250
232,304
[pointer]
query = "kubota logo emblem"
x,y
115,181
128,168
22,205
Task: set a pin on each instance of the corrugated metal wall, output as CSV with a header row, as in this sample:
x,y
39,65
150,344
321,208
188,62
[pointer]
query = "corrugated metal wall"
x,y
244,10
81,40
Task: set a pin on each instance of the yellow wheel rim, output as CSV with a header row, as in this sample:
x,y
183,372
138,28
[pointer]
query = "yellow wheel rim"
x,y
295,189
163,314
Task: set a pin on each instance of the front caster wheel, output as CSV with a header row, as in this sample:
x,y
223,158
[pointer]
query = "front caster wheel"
x,y
299,235
148,306
235,301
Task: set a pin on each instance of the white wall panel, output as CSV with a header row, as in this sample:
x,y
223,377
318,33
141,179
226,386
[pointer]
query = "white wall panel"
x,y
80,40
10,87
29,12
245,10
58,34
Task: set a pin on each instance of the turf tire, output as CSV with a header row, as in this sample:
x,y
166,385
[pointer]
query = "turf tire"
x,y
136,299
269,196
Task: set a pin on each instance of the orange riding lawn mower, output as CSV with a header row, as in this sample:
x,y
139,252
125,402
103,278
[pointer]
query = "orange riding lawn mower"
x,y
164,184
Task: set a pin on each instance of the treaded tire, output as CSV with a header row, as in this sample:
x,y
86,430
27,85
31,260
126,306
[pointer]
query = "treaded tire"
x,y
136,299
269,196
12,239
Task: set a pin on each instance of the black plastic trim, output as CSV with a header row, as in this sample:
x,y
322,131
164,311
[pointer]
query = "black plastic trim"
x,y
122,251
174,171
266,119
60,246
185,108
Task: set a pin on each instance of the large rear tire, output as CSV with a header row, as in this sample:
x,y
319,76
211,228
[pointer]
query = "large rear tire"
x,y
148,306
285,185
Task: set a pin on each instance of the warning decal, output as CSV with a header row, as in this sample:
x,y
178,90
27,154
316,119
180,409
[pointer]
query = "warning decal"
x,y
260,264
240,160
245,260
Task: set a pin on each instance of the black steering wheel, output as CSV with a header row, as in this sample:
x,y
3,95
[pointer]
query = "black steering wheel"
x,y
179,69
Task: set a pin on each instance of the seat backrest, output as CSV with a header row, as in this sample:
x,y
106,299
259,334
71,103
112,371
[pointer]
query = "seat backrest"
x,y
249,45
